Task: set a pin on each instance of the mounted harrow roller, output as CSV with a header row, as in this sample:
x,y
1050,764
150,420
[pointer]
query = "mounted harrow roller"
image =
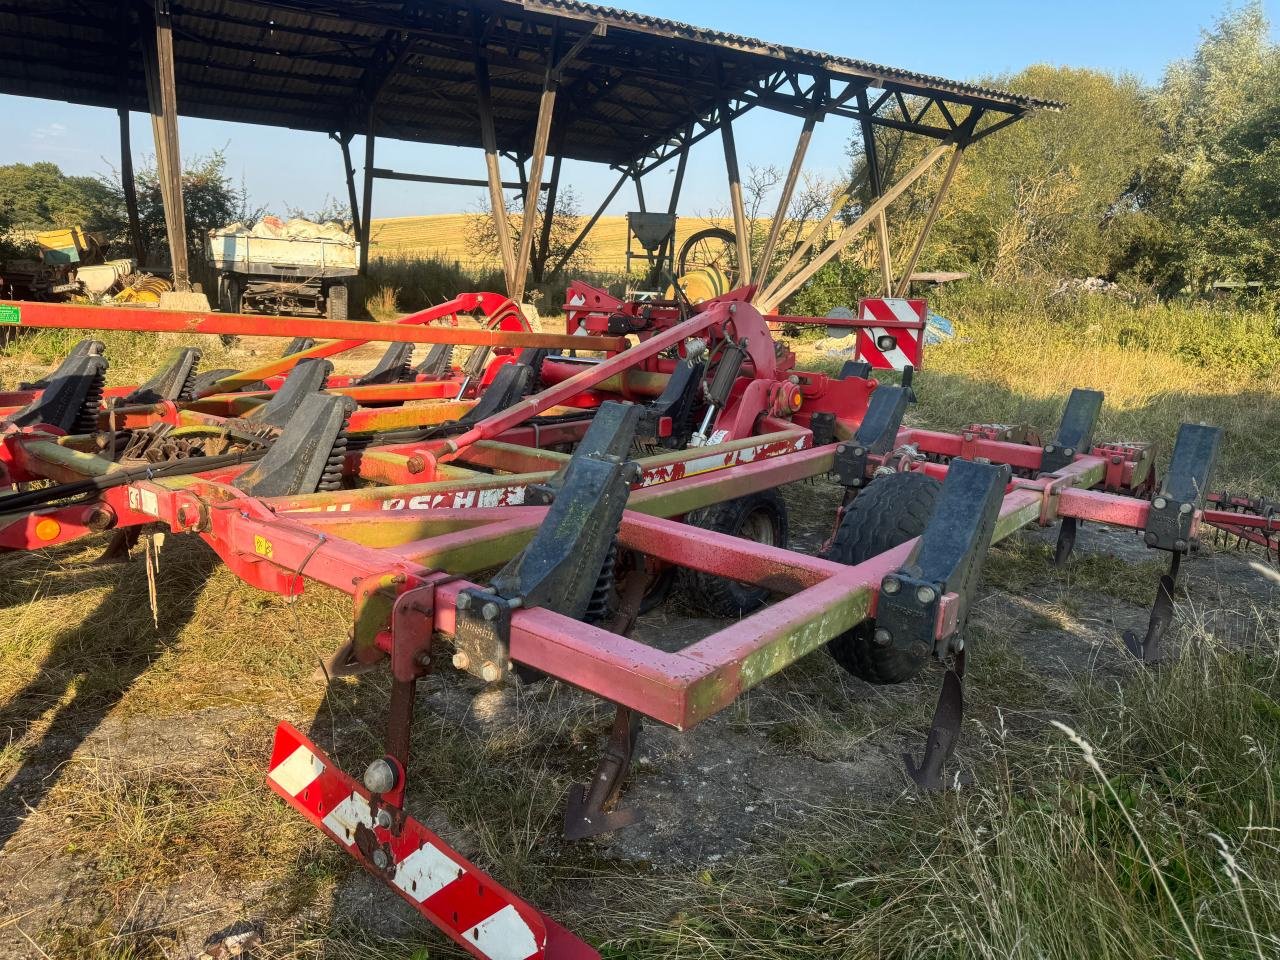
x,y
587,481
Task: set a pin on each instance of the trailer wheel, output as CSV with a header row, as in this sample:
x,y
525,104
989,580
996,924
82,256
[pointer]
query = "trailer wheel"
x,y
761,517
890,511
335,303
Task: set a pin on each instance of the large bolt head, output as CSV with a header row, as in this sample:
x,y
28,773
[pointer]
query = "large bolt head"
x,y
891,585
380,776
926,594
1151,539
490,672
490,611
1159,503
384,819
920,649
1180,545
1185,508
882,636
464,601
461,661
380,859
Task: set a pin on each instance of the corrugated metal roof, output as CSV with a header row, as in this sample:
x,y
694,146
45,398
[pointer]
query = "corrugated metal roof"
x,y
314,64
861,68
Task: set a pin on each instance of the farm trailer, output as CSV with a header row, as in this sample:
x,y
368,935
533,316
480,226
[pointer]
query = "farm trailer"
x,y
571,476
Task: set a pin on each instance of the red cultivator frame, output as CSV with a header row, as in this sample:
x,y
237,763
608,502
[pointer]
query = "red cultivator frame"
x,y
584,481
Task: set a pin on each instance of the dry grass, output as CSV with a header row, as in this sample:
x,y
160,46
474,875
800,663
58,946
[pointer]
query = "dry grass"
x,y
444,236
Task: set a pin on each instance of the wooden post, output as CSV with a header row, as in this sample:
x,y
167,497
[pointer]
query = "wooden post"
x,y
785,288
130,189
489,138
741,229
162,97
366,213
904,282
349,172
541,137
784,201
875,177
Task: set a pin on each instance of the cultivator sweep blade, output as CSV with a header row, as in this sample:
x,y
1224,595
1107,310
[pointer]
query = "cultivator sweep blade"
x,y
462,901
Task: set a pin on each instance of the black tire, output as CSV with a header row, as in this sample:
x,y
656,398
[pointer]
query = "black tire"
x,y
890,511
335,303
761,517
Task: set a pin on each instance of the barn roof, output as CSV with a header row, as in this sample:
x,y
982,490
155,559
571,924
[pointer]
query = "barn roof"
x,y
320,64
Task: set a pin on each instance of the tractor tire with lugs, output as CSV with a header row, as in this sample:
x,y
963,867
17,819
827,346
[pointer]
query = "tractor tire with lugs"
x,y
890,511
760,517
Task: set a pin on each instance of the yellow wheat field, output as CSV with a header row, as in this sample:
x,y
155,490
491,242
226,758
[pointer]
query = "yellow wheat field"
x,y
444,236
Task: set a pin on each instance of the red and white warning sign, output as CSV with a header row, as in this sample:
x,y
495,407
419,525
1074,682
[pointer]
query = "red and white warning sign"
x,y
891,332
489,921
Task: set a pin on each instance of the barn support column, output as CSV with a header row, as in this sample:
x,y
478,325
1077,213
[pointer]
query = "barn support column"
x,y
784,199
162,98
366,211
875,179
544,240
130,189
741,229
349,175
489,138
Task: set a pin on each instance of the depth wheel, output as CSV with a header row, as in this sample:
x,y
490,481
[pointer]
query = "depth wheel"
x,y
890,511
759,517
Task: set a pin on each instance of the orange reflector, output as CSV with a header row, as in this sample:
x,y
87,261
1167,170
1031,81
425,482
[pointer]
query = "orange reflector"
x,y
48,529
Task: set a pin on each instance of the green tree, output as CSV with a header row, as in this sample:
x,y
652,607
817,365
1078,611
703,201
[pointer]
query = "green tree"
x,y
1045,196
210,197
39,196
1205,210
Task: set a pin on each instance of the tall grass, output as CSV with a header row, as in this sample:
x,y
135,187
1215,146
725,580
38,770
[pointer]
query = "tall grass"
x,y
1161,838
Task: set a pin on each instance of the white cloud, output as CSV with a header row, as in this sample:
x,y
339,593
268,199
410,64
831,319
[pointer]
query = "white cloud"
x,y
50,131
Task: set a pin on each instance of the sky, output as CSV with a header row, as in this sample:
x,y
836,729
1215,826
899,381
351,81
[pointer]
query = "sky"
x,y
960,40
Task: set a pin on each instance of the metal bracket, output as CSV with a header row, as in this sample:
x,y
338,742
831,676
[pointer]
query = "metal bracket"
x,y
482,634
508,387
876,434
677,402
855,370
306,379
923,606
174,382
299,459
438,363
1171,518
392,367
72,394
1075,432
823,426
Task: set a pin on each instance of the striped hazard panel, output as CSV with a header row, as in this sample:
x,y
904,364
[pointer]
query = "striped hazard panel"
x,y
484,917
892,334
